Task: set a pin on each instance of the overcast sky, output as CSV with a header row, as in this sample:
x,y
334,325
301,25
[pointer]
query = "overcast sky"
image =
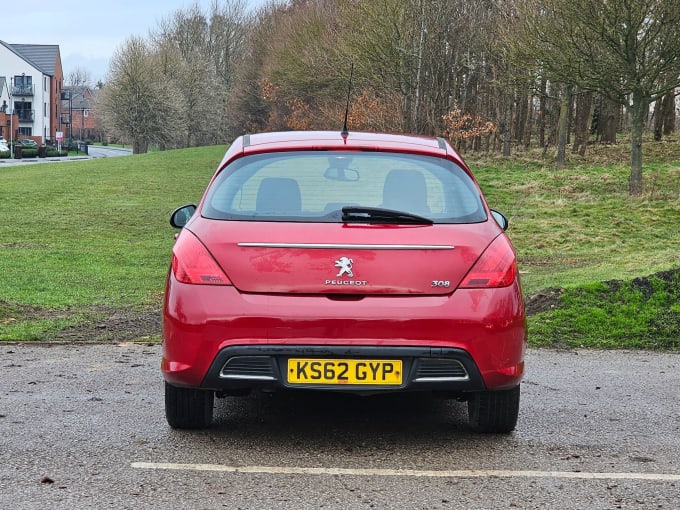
x,y
88,32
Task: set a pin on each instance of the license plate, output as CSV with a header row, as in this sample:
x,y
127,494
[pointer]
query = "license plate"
x,y
344,371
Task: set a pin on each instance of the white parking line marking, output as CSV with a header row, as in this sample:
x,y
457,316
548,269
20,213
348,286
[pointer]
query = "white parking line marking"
x,y
472,473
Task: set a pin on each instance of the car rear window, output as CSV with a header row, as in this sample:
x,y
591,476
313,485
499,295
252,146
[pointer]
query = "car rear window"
x,y
314,186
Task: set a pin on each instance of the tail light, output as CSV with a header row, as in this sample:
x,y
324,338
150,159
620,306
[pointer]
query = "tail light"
x,y
192,263
497,267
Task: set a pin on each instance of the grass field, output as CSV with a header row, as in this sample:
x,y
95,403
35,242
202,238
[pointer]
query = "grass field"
x,y
83,242
80,240
579,225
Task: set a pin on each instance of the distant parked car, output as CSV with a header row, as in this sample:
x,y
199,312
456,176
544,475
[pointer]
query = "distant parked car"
x,y
28,142
4,147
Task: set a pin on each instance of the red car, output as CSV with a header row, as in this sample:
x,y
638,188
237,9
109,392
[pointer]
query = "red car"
x,y
352,262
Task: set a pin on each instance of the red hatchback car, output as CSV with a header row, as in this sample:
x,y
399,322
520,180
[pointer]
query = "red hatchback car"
x,y
353,262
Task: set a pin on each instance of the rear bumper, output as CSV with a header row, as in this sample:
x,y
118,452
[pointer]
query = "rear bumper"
x,y
204,326
423,369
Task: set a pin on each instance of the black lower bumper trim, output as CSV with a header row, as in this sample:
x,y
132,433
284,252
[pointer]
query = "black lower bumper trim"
x,y
264,366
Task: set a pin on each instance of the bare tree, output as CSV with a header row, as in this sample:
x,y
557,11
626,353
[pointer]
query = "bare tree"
x,y
249,107
198,52
79,77
137,104
627,50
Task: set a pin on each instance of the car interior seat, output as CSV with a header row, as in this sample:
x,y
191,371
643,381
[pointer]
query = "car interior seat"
x,y
278,196
405,190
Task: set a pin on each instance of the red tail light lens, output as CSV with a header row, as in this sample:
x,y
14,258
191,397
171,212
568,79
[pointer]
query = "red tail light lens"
x,y
192,263
497,267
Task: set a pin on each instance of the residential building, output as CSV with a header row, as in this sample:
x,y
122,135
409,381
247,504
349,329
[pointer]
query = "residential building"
x,y
77,112
6,120
33,81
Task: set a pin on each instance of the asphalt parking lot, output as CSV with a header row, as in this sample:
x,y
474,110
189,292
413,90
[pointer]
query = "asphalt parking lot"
x,y
83,427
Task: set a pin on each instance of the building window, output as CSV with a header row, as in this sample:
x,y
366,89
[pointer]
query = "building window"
x,y
26,131
23,85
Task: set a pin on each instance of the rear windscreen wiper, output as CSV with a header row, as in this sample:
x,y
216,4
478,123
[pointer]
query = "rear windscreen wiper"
x,y
380,215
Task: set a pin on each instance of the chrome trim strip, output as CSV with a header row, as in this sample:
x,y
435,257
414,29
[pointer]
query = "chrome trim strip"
x,y
322,246
240,377
441,379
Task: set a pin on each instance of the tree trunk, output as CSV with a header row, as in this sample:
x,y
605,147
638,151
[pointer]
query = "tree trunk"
x,y
638,112
541,117
658,119
521,117
140,146
608,120
528,124
507,126
416,107
668,110
563,126
582,128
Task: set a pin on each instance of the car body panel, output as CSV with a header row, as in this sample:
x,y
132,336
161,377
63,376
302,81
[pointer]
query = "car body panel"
x,y
200,322
306,258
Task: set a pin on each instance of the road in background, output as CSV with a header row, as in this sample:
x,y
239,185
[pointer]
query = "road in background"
x,y
101,151
93,151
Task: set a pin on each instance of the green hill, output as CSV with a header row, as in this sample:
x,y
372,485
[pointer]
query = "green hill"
x,y
85,246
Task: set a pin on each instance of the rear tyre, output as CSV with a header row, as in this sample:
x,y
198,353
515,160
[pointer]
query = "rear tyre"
x,y
494,411
188,408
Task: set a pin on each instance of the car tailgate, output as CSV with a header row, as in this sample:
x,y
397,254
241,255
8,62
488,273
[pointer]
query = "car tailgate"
x,y
311,258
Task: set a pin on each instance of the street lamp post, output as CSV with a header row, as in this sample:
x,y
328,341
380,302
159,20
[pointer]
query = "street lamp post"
x,y
11,119
82,116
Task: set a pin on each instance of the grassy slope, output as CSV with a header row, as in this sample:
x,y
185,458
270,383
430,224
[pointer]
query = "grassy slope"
x,y
580,225
576,230
92,233
77,236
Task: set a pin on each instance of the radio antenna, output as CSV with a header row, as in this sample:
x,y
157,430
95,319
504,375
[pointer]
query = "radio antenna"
x,y
345,132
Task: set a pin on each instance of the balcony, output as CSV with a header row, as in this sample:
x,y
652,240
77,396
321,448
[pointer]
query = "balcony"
x,y
23,90
65,118
25,115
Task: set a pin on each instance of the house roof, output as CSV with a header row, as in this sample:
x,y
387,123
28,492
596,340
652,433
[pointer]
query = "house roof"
x,y
81,96
42,56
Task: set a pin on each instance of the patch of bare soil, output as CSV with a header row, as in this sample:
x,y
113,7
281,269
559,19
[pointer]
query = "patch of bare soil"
x,y
543,301
116,325
549,299
93,324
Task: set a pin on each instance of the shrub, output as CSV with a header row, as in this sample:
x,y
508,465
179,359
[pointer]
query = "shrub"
x,y
29,153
